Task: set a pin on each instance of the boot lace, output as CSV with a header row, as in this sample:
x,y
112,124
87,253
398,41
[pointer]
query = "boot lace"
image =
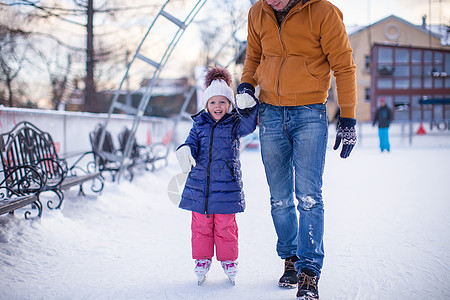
x,y
289,265
308,282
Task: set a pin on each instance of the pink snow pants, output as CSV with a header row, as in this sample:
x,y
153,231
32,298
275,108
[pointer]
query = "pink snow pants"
x,y
217,229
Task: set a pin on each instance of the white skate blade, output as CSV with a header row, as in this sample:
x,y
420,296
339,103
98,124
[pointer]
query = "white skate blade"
x,y
232,279
201,279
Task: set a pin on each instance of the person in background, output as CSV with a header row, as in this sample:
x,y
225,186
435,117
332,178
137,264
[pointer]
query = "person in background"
x,y
383,118
292,47
213,190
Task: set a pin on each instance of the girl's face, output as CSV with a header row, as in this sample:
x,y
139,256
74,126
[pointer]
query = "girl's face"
x,y
218,106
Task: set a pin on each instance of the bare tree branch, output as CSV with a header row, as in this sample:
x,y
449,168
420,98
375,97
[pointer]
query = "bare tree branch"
x,y
79,12
11,60
48,12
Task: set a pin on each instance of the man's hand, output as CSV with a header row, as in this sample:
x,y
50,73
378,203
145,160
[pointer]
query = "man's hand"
x,y
185,158
346,133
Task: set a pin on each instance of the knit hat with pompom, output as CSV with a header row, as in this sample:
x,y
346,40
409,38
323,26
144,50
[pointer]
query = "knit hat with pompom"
x,y
217,83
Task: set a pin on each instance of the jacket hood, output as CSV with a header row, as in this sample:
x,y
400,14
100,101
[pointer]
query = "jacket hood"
x,y
301,5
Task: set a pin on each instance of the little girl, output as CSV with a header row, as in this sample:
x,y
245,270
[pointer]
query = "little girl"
x,y
213,189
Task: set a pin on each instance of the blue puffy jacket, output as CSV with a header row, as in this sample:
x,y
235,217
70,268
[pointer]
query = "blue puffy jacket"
x,y
214,185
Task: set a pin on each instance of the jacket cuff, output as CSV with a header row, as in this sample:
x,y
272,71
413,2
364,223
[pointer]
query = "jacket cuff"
x,y
347,122
245,86
348,112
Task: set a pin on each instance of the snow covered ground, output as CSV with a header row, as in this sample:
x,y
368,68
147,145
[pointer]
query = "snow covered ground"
x,y
387,236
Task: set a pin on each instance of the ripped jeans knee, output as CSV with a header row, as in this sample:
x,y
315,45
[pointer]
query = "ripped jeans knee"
x,y
307,203
281,206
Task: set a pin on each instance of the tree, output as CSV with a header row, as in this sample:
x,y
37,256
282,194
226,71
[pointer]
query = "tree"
x,y
59,75
96,36
76,14
219,35
12,57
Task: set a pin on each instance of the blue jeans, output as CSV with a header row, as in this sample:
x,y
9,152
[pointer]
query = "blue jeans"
x,y
383,134
293,145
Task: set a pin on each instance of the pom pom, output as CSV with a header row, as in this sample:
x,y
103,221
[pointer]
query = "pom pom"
x,y
217,73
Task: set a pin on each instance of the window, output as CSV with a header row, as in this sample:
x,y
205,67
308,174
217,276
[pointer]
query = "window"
x,y
415,107
417,70
416,56
447,63
401,55
438,58
427,56
415,100
367,63
402,84
438,83
416,83
427,70
384,83
401,71
385,70
427,84
367,95
401,104
408,74
385,55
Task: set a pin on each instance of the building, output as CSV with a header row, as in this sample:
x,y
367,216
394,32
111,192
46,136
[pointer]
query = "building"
x,y
393,32
415,82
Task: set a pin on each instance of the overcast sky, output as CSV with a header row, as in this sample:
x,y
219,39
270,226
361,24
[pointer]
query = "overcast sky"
x,y
363,12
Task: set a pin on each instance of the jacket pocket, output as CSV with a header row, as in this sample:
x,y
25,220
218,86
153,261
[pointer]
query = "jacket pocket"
x,y
267,72
296,78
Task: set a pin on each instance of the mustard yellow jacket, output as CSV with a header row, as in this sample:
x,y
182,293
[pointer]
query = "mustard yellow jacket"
x,y
292,63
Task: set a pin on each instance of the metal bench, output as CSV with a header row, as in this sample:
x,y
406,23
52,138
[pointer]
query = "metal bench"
x,y
20,188
107,158
144,155
9,205
31,166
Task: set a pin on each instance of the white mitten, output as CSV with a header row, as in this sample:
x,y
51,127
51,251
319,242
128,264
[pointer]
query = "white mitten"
x,y
244,101
185,158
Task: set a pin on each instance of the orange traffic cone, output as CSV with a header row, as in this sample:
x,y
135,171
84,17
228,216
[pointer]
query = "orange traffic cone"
x,y
421,130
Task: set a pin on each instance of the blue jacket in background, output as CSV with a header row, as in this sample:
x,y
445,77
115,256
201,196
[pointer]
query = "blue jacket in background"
x,y
214,185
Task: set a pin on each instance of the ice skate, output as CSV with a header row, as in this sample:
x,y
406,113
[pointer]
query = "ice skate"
x,y
230,267
202,267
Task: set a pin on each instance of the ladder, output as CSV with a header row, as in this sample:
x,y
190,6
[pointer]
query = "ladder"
x,y
178,26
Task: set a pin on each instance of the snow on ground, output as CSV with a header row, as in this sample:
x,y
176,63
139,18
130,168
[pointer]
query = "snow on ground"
x,y
387,236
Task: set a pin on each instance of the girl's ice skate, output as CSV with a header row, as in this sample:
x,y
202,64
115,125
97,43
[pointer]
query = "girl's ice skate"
x,y
230,267
201,268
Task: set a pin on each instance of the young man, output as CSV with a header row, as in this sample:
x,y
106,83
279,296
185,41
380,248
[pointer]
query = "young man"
x,y
292,47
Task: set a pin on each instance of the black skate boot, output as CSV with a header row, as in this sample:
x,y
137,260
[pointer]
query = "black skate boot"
x,y
308,285
289,278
